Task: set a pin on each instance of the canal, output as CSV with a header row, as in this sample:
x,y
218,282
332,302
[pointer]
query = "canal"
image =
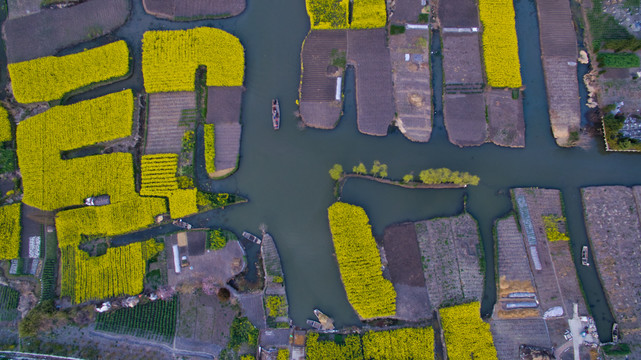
x,y
285,174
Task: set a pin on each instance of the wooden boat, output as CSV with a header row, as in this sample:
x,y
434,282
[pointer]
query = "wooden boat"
x,y
326,322
584,256
615,332
275,114
253,238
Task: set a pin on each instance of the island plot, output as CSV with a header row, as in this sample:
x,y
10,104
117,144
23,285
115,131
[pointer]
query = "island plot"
x,y
75,24
539,299
194,9
475,114
559,56
334,42
614,231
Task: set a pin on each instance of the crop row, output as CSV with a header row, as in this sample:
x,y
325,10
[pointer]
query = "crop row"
x,y
50,78
158,174
334,14
9,299
48,280
210,150
398,344
170,59
150,320
466,334
10,231
500,44
5,125
359,262
119,272
50,182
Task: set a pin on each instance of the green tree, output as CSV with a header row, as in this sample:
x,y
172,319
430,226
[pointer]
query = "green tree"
x,y
360,169
408,178
336,172
376,167
383,171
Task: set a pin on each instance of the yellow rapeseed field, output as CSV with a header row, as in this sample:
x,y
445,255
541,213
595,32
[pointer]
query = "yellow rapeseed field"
x,y
334,14
5,125
170,59
10,231
50,78
399,344
466,333
500,44
359,262
369,14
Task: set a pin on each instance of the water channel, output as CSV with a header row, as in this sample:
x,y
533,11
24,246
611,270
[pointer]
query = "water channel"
x,y
284,174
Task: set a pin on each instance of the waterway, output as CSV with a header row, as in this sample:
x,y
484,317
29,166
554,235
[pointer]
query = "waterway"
x,y
284,173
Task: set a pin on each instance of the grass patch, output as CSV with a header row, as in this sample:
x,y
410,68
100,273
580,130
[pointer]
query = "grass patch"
x,y
396,29
617,349
618,60
604,27
423,18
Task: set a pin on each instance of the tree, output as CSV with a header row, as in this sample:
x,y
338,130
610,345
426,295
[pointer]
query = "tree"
x,y
408,178
336,172
360,169
383,171
376,167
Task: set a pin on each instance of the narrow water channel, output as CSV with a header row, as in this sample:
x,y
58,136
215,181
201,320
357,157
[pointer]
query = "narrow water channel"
x,y
284,174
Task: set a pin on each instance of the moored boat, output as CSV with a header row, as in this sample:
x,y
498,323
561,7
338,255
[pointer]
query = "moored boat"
x,y
251,237
584,256
275,114
615,332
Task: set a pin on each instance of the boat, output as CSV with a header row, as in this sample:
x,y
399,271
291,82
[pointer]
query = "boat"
x,y
180,223
327,322
584,256
615,332
315,324
275,114
251,237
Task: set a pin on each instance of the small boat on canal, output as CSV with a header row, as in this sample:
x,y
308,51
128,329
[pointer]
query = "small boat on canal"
x,y
584,256
251,237
275,114
615,333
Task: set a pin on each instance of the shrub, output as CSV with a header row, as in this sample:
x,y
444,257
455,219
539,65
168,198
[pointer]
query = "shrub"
x,y
500,44
359,262
466,335
368,14
447,176
10,231
50,78
5,125
50,182
170,59
552,224
618,60
336,172
278,279
321,350
283,354
407,343
276,306
210,150
242,332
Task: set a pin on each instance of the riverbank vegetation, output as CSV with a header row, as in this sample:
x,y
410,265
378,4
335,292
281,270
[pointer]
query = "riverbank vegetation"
x,y
378,172
618,60
371,295
170,59
50,78
5,125
10,231
500,44
210,150
466,334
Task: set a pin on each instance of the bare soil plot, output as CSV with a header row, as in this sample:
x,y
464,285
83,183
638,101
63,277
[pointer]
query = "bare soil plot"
x,y
458,13
218,265
48,31
612,91
20,8
406,272
505,115
614,231
223,104
450,256
514,269
227,144
409,55
203,323
405,11
368,52
556,283
563,96
166,123
462,62
318,105
193,9
253,308
556,29
465,119
509,334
